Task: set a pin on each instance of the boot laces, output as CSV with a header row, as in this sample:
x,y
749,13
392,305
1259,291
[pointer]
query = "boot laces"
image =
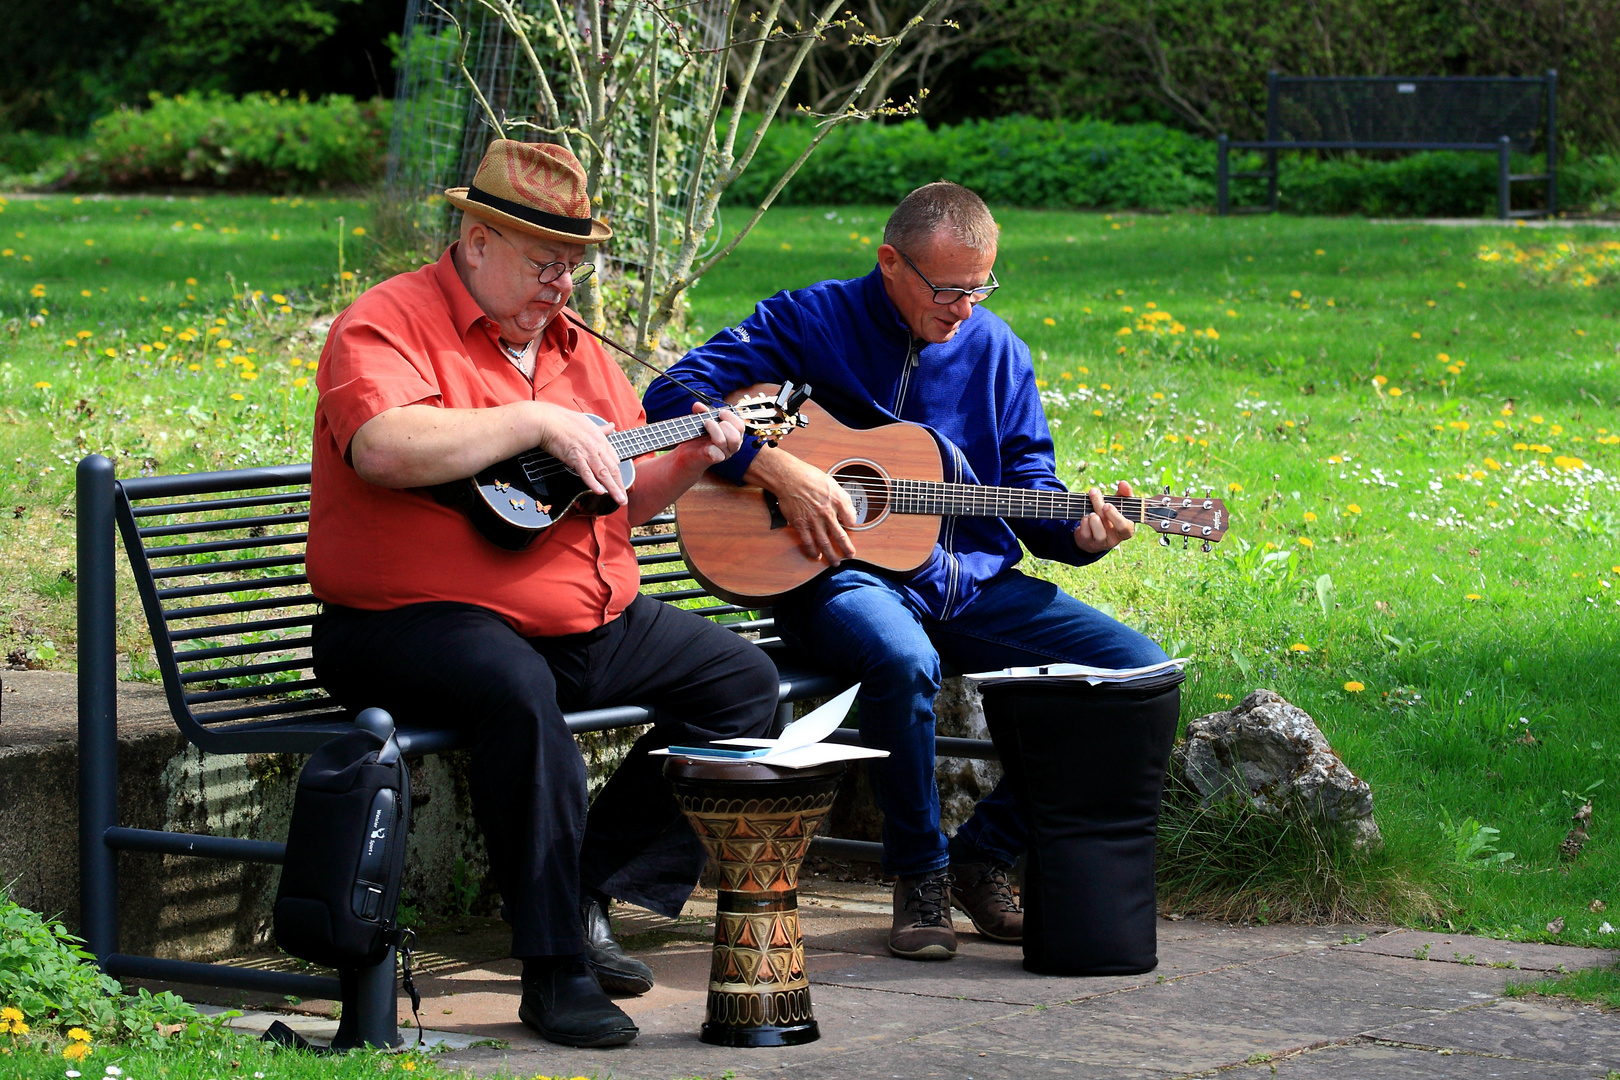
x,y
930,900
993,879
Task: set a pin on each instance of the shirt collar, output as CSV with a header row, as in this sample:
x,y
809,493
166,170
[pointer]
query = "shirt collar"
x,y
465,312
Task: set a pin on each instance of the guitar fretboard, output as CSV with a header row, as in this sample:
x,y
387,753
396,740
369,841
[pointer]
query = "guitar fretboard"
x,y
627,444
971,500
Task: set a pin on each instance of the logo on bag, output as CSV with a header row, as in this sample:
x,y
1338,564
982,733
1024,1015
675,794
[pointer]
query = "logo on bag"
x,y
379,834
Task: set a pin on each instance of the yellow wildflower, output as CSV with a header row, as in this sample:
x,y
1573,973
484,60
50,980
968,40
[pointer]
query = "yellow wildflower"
x,y
77,1051
1353,508
1353,687
1049,321
1310,516
1299,646
78,1035
1306,542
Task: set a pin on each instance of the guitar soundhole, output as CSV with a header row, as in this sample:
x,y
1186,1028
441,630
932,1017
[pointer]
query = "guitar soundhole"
x,y
868,491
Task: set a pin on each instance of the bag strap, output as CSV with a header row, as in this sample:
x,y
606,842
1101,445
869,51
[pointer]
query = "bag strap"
x,y
407,954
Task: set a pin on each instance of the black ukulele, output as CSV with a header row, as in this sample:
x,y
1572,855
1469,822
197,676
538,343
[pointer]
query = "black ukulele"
x,y
513,502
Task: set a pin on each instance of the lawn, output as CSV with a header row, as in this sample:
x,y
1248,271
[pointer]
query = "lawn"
x,y
1415,429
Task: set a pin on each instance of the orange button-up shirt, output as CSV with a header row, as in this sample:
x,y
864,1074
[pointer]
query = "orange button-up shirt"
x,y
420,338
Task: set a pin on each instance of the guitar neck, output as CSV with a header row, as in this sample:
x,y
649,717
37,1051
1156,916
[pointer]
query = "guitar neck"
x,y
971,500
633,442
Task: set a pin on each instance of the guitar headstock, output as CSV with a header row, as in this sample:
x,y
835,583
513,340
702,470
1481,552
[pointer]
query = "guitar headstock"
x,y
769,418
1191,517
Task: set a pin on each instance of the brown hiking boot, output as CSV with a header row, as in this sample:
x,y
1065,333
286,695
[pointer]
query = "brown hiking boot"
x,y
922,918
982,891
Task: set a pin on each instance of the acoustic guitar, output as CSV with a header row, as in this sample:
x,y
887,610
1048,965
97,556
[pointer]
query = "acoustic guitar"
x,y
515,502
739,546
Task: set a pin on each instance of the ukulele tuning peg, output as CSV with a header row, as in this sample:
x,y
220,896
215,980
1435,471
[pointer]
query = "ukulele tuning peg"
x,y
1204,546
1164,541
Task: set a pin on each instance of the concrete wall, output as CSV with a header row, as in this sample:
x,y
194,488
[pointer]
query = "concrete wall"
x,y
202,909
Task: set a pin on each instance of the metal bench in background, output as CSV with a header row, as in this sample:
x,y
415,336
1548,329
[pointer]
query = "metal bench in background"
x,y
218,561
1400,113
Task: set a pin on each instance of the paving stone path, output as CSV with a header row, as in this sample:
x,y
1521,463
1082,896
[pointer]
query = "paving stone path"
x,y
1243,1002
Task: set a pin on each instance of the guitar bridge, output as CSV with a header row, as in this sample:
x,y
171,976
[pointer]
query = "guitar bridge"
x,y
777,520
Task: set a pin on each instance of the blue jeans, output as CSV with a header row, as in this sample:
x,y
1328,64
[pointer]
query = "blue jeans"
x,y
860,624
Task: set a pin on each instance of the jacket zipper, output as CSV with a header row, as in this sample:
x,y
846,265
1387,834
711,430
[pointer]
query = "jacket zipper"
x,y
950,538
913,357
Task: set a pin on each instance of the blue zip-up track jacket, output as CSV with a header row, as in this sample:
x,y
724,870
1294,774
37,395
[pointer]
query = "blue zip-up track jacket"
x,y
975,393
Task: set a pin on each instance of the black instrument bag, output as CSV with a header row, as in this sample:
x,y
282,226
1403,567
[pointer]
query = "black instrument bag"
x,y
339,892
1087,764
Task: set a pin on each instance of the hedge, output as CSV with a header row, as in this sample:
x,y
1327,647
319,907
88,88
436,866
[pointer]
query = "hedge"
x,y
1094,164
260,140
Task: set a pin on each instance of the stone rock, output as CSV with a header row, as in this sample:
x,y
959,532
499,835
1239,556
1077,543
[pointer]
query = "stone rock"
x,y
959,713
1273,755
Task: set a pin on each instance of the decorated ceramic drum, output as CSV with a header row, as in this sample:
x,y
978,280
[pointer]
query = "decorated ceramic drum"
x,y
756,822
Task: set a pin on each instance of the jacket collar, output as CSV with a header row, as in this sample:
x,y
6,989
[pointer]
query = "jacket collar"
x,y
884,314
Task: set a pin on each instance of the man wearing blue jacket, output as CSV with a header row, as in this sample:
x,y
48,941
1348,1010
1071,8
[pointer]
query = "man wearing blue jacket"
x,y
908,342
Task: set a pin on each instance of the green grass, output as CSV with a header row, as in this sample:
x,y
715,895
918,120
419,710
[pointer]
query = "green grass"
x,y
1598,986
233,1060
1473,592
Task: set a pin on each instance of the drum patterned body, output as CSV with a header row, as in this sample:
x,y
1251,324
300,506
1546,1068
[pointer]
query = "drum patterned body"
x,y
756,823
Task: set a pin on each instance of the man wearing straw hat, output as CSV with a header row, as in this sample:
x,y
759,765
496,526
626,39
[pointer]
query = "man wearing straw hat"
x,y
428,378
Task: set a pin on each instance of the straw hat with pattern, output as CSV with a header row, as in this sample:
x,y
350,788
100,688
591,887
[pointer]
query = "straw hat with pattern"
x,y
536,188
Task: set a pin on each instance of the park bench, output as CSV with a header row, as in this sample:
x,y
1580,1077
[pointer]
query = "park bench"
x,y
217,560
1401,113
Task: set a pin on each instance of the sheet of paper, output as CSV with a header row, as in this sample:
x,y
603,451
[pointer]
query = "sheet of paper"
x,y
1092,675
800,745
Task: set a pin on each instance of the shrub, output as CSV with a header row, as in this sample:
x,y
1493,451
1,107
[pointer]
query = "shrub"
x,y
261,140
1014,160
1094,164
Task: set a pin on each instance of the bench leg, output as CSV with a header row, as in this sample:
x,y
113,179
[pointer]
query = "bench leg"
x,y
369,1007
98,707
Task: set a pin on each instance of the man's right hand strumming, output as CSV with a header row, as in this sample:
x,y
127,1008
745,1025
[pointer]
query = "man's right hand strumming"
x,y
422,445
817,508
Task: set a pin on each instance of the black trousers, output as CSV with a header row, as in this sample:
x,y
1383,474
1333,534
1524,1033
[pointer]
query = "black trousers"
x,y
455,665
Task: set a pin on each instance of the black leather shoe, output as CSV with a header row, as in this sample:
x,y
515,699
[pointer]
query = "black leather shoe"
x,y
566,1006
618,972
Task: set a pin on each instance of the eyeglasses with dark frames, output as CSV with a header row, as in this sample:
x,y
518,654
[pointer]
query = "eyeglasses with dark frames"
x,y
951,296
546,273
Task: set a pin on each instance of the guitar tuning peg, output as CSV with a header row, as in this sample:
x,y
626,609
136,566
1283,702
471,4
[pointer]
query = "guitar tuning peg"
x,y
1205,546
1167,489
1164,541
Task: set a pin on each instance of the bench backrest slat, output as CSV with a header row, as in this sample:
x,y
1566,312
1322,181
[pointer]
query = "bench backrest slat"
x,y
239,663
1419,110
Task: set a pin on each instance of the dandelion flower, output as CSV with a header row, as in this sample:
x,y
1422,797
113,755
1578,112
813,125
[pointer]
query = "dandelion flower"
x,y
1232,313
1395,391
278,298
193,367
1472,596
1299,646
1049,321
1379,380
300,382
11,1014
110,352
76,1051
78,1035
358,230
84,292
1537,420
1157,396
1353,687
1416,336
1234,488
37,386
1310,516
1444,359
1296,294
237,397
1306,542
84,334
